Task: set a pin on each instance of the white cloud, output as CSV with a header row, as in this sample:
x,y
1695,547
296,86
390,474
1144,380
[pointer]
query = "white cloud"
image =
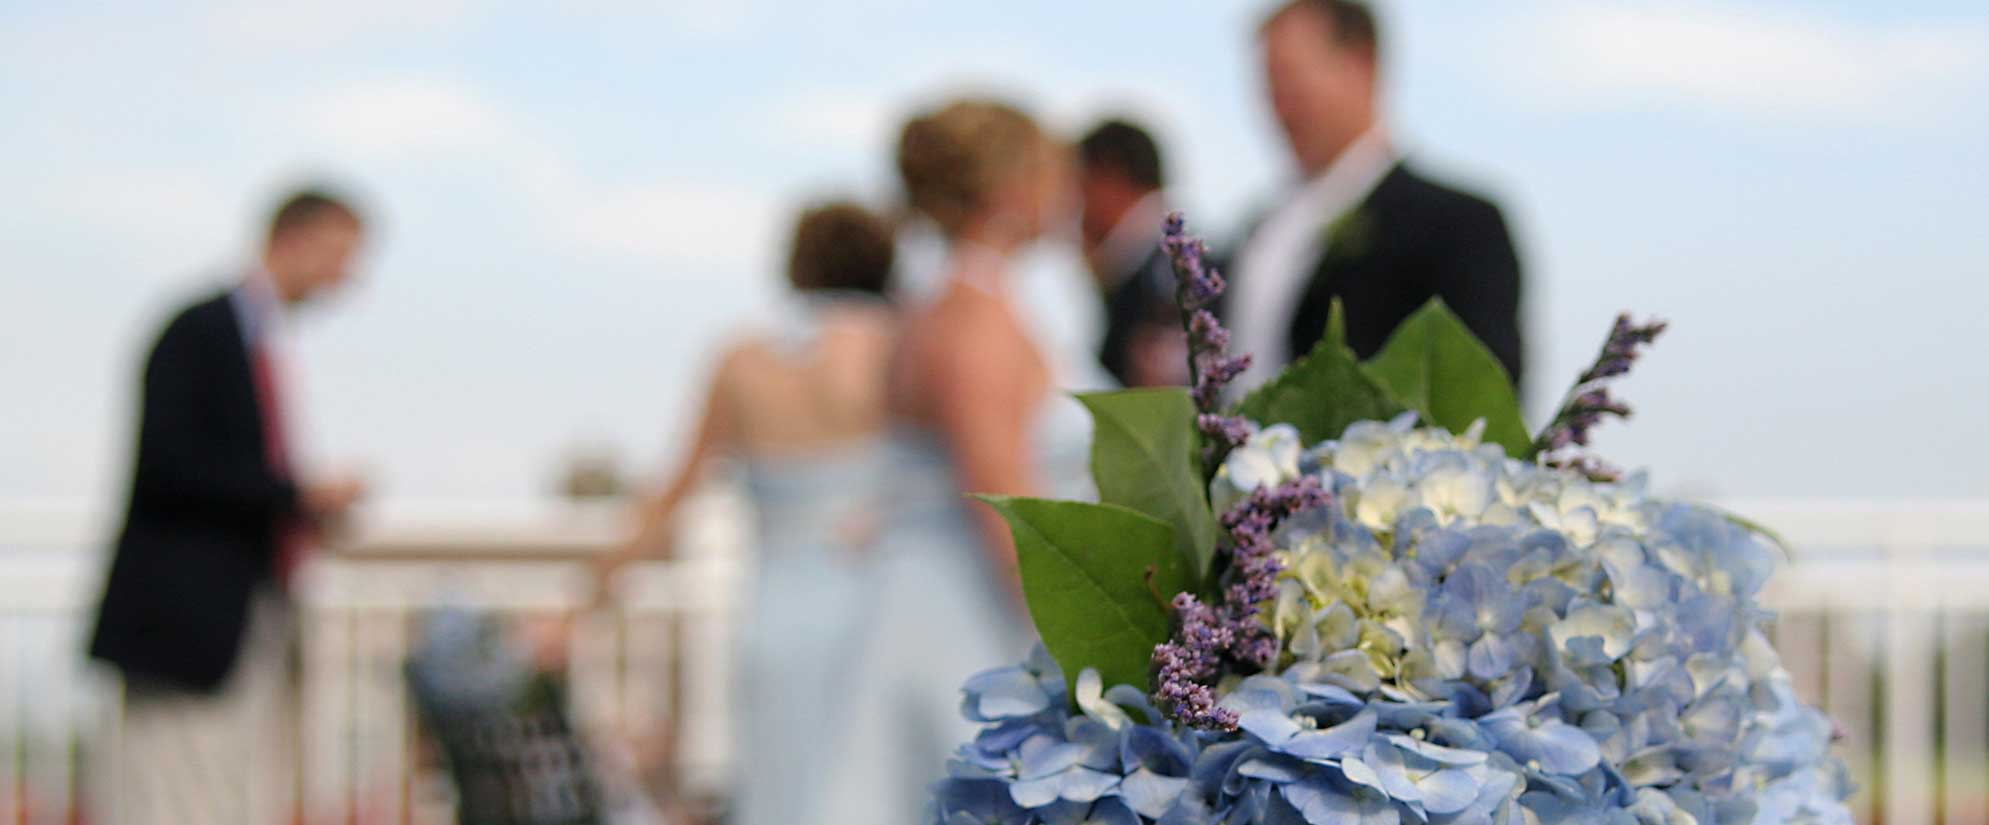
x,y
725,19
1775,63
209,35
303,24
148,214
702,17
696,18
409,116
866,118
720,227
846,119
420,123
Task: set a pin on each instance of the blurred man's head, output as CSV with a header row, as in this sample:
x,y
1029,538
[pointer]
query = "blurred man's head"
x,y
313,237
1321,62
1118,164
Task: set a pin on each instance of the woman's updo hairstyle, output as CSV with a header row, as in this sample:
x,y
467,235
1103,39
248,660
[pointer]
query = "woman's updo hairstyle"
x,y
841,246
951,160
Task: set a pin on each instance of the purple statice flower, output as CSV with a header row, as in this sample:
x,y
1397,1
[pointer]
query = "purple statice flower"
x,y
1231,429
1620,351
1210,365
1201,284
1205,329
1254,565
1207,636
1588,403
1188,663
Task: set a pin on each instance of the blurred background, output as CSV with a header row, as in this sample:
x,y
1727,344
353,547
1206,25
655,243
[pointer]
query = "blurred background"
x,y
575,204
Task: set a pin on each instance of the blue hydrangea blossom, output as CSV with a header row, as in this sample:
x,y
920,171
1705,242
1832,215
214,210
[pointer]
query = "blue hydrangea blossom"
x,y
1460,638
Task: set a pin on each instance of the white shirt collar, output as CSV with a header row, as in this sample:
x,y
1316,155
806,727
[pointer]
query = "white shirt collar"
x,y
1133,238
257,306
1273,265
1358,168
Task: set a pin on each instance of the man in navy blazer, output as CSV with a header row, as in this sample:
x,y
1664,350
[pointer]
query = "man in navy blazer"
x,y
195,612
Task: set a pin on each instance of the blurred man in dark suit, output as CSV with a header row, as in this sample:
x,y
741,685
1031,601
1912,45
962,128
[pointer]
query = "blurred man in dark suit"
x,y
195,613
1120,180
1360,225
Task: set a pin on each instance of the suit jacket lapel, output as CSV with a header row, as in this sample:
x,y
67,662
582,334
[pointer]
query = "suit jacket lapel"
x,y
1349,238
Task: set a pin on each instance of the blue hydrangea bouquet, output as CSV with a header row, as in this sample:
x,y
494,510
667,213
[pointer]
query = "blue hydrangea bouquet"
x,y
1366,594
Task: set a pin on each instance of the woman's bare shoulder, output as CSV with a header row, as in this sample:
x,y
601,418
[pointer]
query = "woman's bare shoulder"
x,y
743,351
861,326
969,318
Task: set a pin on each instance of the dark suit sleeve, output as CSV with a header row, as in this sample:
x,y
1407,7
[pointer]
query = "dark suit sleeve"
x,y
179,465
1480,280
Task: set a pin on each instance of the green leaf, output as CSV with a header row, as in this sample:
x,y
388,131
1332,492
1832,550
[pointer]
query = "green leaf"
x,y
1094,576
1323,392
1144,455
1436,366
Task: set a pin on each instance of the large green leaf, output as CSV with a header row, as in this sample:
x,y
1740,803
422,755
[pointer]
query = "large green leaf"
x,y
1435,365
1323,392
1144,449
1094,576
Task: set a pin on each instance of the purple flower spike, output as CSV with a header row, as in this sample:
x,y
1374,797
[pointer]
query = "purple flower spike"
x,y
1253,556
1200,284
1228,430
1189,662
1589,403
1209,362
1205,637
1204,329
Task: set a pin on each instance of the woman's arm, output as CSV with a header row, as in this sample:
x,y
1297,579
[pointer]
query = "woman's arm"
x,y
656,514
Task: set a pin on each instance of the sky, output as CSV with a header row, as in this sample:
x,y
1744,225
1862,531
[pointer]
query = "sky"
x,y
576,204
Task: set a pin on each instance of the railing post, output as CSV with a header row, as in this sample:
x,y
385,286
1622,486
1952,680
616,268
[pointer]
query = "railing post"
x,y
1848,696
1908,721
1965,714
13,709
326,752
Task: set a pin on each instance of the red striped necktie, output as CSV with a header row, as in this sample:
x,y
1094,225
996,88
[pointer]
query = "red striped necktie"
x,y
292,533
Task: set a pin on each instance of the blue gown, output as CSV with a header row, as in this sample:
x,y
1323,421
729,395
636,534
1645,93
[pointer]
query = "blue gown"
x,y
935,614
818,516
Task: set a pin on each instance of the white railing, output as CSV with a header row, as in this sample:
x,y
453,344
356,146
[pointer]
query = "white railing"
x,y
660,647
1883,619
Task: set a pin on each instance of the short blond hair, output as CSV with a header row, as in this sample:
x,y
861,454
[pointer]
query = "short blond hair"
x,y
952,159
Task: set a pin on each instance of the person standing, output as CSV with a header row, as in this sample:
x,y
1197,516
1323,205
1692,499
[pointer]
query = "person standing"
x,y
195,613
1361,225
974,409
801,408
1121,182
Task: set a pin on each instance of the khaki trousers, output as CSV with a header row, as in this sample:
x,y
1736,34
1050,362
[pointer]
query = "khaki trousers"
x,y
226,758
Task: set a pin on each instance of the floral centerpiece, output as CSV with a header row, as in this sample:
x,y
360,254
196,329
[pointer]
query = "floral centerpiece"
x,y
1366,594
